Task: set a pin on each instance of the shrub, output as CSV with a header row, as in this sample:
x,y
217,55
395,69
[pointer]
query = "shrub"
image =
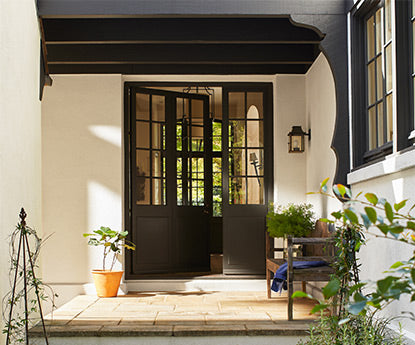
x,y
296,220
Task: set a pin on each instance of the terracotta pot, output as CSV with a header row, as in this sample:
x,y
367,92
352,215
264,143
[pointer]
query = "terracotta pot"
x,y
107,282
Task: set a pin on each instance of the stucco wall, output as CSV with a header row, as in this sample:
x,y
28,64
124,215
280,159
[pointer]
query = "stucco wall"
x,y
20,154
81,173
321,116
379,254
289,168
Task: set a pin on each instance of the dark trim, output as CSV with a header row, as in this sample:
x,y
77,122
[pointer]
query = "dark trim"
x,y
186,7
404,85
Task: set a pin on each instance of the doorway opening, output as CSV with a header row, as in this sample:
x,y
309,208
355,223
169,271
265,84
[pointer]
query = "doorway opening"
x,y
198,178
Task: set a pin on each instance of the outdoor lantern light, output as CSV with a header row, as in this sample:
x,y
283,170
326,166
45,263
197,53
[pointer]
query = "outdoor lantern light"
x,y
296,141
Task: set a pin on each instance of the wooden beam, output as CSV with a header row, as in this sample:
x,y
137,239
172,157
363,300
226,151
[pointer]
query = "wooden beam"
x,y
153,30
179,54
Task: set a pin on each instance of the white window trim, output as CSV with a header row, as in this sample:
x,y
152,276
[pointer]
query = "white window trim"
x,y
393,163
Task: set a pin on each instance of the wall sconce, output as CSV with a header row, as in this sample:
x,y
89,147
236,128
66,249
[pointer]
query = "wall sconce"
x,y
253,159
296,139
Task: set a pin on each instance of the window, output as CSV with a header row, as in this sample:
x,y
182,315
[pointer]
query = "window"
x,y
383,77
379,76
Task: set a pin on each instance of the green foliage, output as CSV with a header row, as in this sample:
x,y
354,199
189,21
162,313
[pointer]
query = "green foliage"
x,y
296,220
357,330
111,240
365,215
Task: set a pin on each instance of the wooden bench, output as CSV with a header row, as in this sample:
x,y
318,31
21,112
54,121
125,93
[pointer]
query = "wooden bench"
x,y
318,247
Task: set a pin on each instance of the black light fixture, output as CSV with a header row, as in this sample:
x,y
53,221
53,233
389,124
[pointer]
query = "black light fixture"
x,y
296,139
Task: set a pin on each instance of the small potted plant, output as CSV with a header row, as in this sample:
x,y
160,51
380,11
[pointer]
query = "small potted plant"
x,y
106,280
297,220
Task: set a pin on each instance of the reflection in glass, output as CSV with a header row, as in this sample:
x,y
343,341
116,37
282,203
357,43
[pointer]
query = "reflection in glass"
x,y
158,108
217,186
157,164
389,118
158,191
237,162
197,109
236,105
255,134
256,158
254,105
143,191
372,128
379,78
388,63
179,191
142,106
378,31
371,85
143,134
255,190
216,136
370,36
388,21
157,136
237,195
236,133
381,136
143,162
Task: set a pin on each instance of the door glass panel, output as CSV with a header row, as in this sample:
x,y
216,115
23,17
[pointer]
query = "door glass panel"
x,y
216,136
142,106
388,21
197,181
179,138
217,186
179,189
255,133
237,195
254,105
255,190
236,105
388,64
158,108
158,192
143,190
197,109
157,165
157,135
237,162
236,133
255,163
143,162
246,153
143,134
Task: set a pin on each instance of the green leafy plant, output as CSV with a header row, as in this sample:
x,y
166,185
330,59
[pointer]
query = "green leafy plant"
x,y
297,220
358,330
112,241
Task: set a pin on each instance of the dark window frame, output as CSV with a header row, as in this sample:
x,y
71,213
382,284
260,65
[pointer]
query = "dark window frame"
x,y
403,88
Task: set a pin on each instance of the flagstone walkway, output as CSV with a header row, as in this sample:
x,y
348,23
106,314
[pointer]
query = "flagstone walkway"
x,y
179,313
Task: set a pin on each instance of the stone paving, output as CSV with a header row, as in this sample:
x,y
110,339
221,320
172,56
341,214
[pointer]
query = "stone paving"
x,y
179,313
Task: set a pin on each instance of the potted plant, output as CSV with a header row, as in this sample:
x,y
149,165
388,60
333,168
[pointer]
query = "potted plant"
x,y
106,280
297,220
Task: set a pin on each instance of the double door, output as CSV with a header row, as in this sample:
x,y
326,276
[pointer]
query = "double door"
x,y
185,178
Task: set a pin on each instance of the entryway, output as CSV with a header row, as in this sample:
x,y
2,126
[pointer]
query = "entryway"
x,y
198,177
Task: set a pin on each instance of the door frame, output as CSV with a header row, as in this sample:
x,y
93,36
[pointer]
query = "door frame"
x,y
267,88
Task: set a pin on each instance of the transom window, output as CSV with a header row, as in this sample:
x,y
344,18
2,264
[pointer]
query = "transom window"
x,y
379,76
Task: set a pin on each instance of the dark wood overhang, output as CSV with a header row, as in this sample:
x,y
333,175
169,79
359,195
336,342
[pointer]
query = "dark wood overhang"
x,y
204,45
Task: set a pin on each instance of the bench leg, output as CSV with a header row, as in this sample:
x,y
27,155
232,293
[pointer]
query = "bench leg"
x,y
304,285
290,300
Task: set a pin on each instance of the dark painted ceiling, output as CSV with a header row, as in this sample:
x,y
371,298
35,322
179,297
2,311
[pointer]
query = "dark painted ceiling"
x,y
203,45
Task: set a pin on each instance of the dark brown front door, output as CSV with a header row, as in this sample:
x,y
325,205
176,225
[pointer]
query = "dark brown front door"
x,y
168,164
